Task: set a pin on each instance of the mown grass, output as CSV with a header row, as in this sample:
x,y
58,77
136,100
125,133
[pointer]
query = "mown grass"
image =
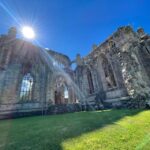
x,y
98,130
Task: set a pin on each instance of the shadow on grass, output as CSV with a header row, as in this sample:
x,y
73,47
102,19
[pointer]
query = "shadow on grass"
x,y
48,132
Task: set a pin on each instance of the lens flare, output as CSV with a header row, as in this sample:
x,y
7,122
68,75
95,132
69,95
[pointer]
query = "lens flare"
x,y
28,32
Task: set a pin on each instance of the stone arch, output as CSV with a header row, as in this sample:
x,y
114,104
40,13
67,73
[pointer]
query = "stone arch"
x,y
61,90
31,77
108,72
96,82
90,81
26,89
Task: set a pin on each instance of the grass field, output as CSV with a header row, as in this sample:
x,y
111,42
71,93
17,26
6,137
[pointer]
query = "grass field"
x,y
97,130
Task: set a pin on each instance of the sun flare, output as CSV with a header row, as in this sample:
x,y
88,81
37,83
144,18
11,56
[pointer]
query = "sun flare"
x,y
28,32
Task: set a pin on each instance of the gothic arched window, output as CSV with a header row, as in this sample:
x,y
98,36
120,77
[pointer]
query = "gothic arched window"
x,y
66,92
26,87
61,90
90,82
109,75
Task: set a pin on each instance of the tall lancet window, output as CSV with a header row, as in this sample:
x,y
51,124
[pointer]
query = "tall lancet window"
x,y
66,93
26,87
90,82
109,75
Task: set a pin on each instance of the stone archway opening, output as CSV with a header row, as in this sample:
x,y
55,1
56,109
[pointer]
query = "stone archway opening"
x,y
26,87
90,82
108,72
61,92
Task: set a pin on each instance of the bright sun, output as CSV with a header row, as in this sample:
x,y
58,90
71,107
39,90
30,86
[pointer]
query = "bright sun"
x,y
28,32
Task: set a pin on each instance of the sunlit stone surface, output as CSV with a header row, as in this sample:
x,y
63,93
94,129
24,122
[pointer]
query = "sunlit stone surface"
x,y
114,74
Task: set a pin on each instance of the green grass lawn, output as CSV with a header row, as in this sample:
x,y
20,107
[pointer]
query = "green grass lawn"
x,y
98,130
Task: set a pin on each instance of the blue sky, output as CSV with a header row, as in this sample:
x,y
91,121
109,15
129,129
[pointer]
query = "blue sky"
x,y
72,26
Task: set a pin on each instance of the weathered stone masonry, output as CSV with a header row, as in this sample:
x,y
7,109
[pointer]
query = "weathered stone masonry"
x,y
114,71
119,68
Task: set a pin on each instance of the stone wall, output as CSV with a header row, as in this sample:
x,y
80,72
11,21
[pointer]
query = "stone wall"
x,y
127,54
20,60
117,68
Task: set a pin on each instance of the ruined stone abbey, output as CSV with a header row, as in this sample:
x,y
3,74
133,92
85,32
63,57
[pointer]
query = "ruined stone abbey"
x,y
115,73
